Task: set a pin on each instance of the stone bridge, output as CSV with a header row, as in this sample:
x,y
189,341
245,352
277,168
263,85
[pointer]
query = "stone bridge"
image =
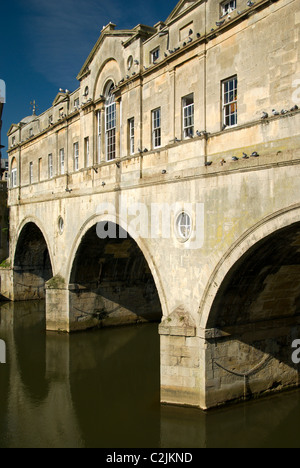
x,y
228,308
191,233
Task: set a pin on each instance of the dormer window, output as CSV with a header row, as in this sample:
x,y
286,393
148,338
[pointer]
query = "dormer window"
x,y
228,7
154,55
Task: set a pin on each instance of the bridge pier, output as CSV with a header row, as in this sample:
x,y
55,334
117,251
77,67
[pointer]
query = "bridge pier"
x,y
182,361
57,305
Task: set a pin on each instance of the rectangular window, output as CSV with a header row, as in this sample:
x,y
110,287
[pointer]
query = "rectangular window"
x,y
13,178
229,93
87,152
154,55
99,137
110,130
62,161
50,119
50,166
188,116
13,140
228,7
40,169
30,173
31,132
156,128
131,136
76,156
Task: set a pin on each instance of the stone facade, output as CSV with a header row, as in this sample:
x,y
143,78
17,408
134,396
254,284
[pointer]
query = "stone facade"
x,y
3,198
164,117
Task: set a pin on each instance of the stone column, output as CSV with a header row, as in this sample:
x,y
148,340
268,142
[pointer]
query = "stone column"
x,y
172,108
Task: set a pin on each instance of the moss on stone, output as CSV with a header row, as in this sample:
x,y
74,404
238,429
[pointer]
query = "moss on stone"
x,y
6,263
57,282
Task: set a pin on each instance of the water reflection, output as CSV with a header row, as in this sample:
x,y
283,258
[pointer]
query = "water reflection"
x,y
101,389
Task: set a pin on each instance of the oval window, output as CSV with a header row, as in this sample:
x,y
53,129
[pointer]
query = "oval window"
x,y
184,226
61,225
130,62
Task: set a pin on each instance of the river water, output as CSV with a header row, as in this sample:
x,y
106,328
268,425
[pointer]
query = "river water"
x,y
101,389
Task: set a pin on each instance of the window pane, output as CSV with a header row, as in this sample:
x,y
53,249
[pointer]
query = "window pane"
x,y
230,102
188,116
156,128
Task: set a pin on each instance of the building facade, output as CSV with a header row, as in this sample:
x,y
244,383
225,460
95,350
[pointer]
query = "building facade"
x,y
182,144
3,194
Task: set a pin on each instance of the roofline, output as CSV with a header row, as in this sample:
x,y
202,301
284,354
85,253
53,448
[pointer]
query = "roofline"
x,y
109,31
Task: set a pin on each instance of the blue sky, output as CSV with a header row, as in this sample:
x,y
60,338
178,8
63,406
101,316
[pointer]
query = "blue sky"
x,y
45,43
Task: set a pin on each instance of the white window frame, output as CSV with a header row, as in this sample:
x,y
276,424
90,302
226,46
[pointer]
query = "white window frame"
x,y
14,178
228,7
156,128
87,151
62,161
50,166
188,116
76,156
230,102
110,127
154,54
131,136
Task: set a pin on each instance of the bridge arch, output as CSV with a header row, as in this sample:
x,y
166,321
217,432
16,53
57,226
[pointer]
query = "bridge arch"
x,y
32,261
251,314
235,255
114,269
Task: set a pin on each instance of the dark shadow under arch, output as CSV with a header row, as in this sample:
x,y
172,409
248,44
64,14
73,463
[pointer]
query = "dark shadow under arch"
x,y
32,264
255,317
263,284
111,282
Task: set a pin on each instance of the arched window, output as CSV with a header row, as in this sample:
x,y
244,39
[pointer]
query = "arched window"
x,y
110,122
13,174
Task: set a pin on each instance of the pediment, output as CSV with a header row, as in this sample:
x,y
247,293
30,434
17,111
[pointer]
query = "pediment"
x,y
61,97
180,8
12,129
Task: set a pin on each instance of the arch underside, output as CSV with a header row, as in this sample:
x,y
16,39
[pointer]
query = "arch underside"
x,y
32,264
254,319
111,283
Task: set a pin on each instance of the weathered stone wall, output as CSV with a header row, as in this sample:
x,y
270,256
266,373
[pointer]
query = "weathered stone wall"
x,y
113,305
251,361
